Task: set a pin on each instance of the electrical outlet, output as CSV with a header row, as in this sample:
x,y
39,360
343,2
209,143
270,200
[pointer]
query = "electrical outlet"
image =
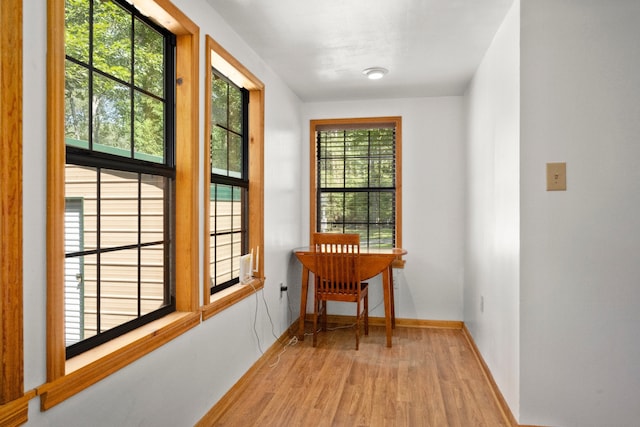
x,y
283,289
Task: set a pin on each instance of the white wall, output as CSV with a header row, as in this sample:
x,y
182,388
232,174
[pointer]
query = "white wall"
x,y
178,383
430,285
580,289
492,249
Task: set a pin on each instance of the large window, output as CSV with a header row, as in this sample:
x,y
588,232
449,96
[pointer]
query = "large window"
x,y
229,181
356,179
233,167
122,180
120,171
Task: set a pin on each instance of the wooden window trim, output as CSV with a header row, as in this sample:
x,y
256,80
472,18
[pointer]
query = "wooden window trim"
x,y
315,125
14,402
61,382
224,62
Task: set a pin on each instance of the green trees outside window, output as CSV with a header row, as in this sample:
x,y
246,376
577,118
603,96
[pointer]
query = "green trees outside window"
x,y
356,178
114,81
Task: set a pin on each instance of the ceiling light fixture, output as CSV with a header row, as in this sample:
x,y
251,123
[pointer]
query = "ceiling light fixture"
x,y
375,73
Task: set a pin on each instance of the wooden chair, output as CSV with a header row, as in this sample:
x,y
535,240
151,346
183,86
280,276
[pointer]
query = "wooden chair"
x,y
337,278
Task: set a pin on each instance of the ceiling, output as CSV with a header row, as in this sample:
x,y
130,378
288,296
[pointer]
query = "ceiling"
x,y
320,47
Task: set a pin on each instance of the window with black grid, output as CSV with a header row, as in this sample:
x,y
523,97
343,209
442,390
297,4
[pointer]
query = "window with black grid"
x,y
229,181
120,171
356,183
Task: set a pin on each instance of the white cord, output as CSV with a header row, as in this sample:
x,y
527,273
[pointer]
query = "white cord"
x,y
255,319
345,326
269,315
293,341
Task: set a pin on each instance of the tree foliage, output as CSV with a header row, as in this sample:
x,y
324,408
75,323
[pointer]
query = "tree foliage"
x,y
114,80
226,129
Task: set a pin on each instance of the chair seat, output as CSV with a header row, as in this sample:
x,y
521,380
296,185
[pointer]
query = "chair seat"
x,y
345,296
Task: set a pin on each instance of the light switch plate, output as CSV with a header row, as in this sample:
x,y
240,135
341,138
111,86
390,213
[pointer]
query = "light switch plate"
x,y
556,176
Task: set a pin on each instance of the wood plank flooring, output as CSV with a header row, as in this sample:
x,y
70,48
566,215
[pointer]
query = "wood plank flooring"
x,y
429,377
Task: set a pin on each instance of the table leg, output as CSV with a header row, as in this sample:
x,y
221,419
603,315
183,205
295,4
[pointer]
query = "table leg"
x,y
303,302
386,285
393,298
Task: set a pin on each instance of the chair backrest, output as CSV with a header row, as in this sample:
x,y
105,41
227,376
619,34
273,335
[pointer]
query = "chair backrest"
x,y
337,264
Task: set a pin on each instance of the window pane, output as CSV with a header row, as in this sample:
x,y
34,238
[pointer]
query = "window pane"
x,y
219,150
332,173
118,288
382,172
228,249
152,292
112,117
152,208
81,185
77,29
149,128
223,209
356,208
235,109
219,105
235,155
76,105
73,271
118,208
148,59
223,267
382,208
112,39
237,209
89,287
356,172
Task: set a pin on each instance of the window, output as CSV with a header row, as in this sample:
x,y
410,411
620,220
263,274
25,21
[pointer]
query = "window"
x,y
122,174
356,179
119,121
233,200
228,181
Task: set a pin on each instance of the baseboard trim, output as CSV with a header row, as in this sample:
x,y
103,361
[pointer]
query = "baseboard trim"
x,y
380,321
495,390
220,408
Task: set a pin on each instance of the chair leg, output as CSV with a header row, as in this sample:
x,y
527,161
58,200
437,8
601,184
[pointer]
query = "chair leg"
x,y
357,325
315,320
366,314
323,315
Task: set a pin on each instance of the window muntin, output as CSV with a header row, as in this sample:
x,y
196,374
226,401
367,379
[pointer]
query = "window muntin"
x,y
356,183
119,155
229,181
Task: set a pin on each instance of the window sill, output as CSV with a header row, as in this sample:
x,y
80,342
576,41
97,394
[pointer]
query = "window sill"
x,y
16,412
230,296
92,366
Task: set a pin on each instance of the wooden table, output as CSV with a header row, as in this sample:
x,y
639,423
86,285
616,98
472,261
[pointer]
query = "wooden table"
x,y
372,263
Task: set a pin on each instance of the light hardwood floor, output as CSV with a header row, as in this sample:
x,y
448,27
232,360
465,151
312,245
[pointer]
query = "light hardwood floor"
x,y
430,377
